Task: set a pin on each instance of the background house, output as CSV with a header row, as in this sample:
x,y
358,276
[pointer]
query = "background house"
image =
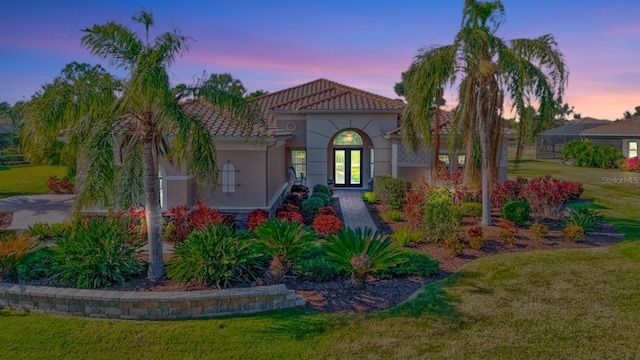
x,y
624,135
550,143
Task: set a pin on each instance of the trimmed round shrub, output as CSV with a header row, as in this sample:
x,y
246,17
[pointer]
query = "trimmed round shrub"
x,y
516,211
320,188
326,224
311,206
325,198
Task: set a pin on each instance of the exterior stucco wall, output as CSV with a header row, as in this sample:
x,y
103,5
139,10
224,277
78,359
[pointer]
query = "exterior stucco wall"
x,y
276,172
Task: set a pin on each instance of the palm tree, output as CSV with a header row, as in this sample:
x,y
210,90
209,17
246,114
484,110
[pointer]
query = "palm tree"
x,y
144,124
484,67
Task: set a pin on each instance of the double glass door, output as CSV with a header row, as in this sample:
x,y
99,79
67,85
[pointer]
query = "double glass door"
x,y
347,166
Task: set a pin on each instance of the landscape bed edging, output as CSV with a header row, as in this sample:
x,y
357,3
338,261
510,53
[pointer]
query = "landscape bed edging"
x,y
147,305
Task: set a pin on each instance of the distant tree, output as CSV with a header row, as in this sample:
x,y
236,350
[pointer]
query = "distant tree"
x,y
223,83
628,115
255,94
5,113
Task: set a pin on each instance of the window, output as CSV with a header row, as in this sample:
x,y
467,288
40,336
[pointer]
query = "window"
x,y
444,158
299,162
228,178
633,149
348,137
461,159
371,162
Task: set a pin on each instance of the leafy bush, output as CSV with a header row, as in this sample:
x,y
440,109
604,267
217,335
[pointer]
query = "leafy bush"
x,y
471,209
544,194
415,264
587,154
539,230
176,229
47,232
13,247
214,256
60,186
295,199
326,224
405,237
256,217
631,164
36,264
361,253
283,241
440,220
370,197
327,210
6,218
414,202
291,216
586,218
453,245
288,207
391,216
311,206
391,191
508,232
320,188
510,190
301,189
325,198
574,233
203,216
317,268
476,238
97,253
516,212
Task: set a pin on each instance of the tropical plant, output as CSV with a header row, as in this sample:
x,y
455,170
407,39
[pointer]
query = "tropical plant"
x,y
203,216
326,224
313,265
391,216
256,217
13,247
97,253
214,256
327,210
361,252
132,129
370,197
415,264
404,236
485,68
53,231
283,241
292,216
584,217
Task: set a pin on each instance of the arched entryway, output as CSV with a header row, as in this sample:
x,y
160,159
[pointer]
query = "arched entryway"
x,y
348,157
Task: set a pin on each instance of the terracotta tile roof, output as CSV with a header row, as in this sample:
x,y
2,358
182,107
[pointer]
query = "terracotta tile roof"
x,y
619,128
446,121
324,95
221,126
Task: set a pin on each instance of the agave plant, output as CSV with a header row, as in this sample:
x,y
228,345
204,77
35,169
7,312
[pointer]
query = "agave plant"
x,y
284,240
362,252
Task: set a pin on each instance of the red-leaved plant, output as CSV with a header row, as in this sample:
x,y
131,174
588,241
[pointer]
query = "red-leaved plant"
x,y
292,216
326,224
256,217
327,210
631,164
60,186
203,216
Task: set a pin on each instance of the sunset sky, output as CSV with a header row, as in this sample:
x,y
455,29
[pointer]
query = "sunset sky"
x,y
366,44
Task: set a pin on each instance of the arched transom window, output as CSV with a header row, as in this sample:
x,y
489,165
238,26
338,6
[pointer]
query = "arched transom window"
x,y
348,137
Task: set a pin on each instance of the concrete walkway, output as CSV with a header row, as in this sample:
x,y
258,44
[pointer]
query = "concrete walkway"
x,y
31,209
354,211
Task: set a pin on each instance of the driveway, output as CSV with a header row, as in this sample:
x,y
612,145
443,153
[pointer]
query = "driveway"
x,y
31,209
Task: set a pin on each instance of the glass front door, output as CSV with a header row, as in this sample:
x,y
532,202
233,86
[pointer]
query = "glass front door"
x,y
347,165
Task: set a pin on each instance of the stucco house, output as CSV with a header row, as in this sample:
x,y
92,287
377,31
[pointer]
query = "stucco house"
x,y
622,134
325,131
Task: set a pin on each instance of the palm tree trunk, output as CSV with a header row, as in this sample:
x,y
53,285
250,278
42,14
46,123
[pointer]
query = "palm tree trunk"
x,y
483,129
153,211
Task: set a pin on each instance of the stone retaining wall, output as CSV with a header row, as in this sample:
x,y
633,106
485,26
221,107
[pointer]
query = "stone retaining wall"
x,y
140,305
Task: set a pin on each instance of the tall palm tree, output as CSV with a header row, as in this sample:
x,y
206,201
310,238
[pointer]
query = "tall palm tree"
x,y
485,68
145,124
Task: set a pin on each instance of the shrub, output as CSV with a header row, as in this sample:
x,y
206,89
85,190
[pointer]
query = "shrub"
x,y
370,197
404,237
391,216
391,191
6,218
415,264
414,202
214,256
476,238
295,199
326,224
471,209
311,206
13,247
545,194
326,199
97,253
291,216
203,216
36,264
327,210
176,229
584,217
453,245
301,189
287,207
508,191
361,253
516,212
587,154
440,220
631,164
316,269
508,232
573,233
539,230
320,188
60,186
283,241
256,217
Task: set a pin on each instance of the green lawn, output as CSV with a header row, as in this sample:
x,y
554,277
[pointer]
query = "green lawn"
x,y
554,304
27,179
